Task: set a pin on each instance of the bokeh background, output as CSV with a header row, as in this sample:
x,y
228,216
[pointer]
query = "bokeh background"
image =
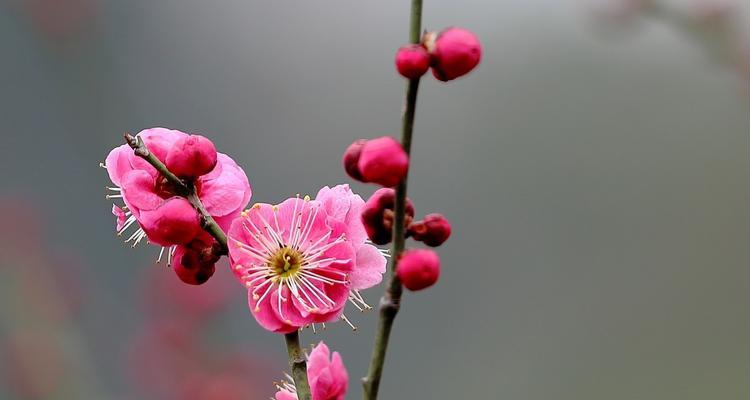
x,y
595,169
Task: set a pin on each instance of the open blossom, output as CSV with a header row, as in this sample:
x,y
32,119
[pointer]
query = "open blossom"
x,y
326,374
155,207
302,259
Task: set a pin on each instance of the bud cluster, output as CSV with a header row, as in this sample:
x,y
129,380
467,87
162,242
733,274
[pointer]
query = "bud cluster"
x,y
452,53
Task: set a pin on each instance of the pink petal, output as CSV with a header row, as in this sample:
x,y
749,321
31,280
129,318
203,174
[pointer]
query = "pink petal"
x,y
118,163
138,190
341,376
227,192
266,317
289,313
120,216
285,395
318,359
320,384
369,268
344,207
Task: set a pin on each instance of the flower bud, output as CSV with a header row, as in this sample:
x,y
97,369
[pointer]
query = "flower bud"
x,y
383,161
412,61
418,269
377,215
455,53
433,230
351,159
173,222
195,263
191,156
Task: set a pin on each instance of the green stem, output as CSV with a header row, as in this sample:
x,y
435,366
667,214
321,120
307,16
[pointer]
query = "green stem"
x,y
185,189
298,365
391,300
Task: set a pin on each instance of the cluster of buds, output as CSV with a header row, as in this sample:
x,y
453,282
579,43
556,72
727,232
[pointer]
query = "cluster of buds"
x,y
160,206
417,268
452,53
383,161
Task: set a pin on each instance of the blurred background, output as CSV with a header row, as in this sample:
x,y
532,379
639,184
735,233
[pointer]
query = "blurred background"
x,y
595,169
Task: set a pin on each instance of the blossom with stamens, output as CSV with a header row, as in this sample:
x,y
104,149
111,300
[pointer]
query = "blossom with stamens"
x,y
326,374
302,259
155,207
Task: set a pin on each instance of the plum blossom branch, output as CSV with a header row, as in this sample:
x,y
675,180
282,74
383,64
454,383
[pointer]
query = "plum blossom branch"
x,y
391,300
188,190
297,359
298,365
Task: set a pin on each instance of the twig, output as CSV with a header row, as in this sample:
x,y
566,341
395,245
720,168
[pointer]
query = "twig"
x,y
298,365
391,300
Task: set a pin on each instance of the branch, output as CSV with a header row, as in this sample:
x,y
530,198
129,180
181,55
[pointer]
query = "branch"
x,y
298,365
185,189
297,360
391,300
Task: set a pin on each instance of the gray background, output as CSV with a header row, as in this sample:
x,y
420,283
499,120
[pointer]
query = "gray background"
x,y
597,185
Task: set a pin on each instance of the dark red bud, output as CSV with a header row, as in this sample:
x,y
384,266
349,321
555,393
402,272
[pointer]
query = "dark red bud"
x,y
378,215
433,230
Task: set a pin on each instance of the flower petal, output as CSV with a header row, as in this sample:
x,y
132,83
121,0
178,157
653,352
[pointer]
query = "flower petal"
x,y
369,268
138,190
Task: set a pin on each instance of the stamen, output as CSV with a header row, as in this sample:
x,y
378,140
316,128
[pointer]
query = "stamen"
x,y
260,299
321,278
320,250
324,299
343,318
309,225
126,225
259,236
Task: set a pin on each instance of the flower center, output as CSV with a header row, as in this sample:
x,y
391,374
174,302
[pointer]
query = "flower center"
x,y
286,262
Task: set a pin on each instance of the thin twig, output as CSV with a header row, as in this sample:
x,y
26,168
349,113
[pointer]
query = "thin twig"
x,y
391,300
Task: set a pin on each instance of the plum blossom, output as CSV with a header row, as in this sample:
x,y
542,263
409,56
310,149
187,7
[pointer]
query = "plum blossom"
x,y
157,210
326,374
302,259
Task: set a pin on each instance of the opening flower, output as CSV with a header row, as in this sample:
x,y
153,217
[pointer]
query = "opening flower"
x,y
302,259
158,210
326,374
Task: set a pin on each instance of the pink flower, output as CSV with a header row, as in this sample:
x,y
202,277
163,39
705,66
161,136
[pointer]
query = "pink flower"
x,y
302,259
326,374
156,207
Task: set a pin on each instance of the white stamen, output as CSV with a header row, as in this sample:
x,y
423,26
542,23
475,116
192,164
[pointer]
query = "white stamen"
x,y
343,318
